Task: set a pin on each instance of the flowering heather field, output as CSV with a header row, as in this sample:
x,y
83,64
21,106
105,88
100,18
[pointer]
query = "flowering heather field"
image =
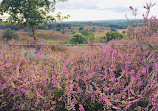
x,y
79,78
83,78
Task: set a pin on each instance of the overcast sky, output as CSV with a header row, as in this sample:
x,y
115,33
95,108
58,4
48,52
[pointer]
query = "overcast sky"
x,y
89,10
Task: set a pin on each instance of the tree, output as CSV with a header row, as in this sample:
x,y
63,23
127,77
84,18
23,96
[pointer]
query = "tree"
x,y
30,12
91,37
77,39
112,29
114,35
81,28
86,32
73,32
93,29
123,32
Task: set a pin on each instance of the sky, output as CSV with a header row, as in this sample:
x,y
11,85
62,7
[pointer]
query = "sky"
x,y
90,10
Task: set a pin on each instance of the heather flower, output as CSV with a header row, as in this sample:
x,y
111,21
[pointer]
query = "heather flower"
x,y
124,97
126,88
108,102
71,87
89,42
90,81
79,90
8,64
12,91
131,8
38,54
40,90
19,89
78,77
129,104
133,78
132,92
44,81
104,40
2,87
81,107
18,64
140,83
87,69
36,104
73,106
4,104
53,77
52,82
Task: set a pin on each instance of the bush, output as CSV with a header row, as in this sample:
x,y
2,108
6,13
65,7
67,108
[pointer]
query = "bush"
x,y
63,31
77,39
73,32
111,36
86,32
9,34
114,35
91,37
100,39
93,29
81,28
112,29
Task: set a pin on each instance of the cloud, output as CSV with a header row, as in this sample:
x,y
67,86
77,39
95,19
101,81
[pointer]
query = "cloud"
x,y
77,4
116,9
112,5
103,9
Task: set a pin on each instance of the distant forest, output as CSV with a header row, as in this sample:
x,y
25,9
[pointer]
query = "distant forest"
x,y
116,24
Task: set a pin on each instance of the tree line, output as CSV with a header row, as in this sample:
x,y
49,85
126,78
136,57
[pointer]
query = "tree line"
x,y
61,26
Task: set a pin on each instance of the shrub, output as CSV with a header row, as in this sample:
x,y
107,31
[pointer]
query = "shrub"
x,y
93,29
81,28
113,35
73,32
91,37
77,39
112,29
9,34
86,32
123,32
100,39
63,31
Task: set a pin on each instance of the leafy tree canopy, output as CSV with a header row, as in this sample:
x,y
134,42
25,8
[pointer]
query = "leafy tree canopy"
x,y
77,39
114,35
86,32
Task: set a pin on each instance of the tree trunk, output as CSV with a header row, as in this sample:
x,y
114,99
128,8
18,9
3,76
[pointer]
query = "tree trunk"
x,y
33,33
